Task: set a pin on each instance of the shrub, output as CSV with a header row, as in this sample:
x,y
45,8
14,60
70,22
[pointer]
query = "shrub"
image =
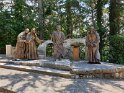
x,y
117,49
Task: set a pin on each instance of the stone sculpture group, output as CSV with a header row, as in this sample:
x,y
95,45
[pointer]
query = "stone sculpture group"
x,y
26,46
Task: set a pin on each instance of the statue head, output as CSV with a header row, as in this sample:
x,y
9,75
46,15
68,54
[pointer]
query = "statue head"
x,y
33,30
92,30
27,30
58,28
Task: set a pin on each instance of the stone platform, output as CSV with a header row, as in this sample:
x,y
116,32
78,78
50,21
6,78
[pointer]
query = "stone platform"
x,y
66,68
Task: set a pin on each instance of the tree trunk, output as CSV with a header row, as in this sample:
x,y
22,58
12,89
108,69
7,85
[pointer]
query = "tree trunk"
x,y
69,19
114,17
99,22
114,23
92,15
41,18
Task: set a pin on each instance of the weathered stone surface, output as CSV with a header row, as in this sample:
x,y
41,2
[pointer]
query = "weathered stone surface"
x,y
41,70
67,44
104,70
10,51
61,65
75,68
27,82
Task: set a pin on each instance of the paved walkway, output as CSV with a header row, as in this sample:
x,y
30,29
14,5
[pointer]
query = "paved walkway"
x,y
27,82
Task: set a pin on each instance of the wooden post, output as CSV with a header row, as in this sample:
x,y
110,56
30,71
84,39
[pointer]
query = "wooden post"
x,y
76,52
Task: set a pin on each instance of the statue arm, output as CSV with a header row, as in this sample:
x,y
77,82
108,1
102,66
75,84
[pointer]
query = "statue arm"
x,y
97,41
38,40
64,37
28,37
20,38
98,38
52,37
87,41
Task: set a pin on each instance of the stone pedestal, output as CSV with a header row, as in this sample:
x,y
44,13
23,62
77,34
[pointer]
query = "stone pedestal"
x,y
8,51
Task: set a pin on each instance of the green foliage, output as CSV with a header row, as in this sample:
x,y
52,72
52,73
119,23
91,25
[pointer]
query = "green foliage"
x,y
24,15
13,21
75,16
7,33
117,49
82,52
49,50
70,14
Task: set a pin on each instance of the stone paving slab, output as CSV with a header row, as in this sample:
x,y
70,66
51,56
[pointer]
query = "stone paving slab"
x,y
61,65
77,67
81,68
28,82
84,67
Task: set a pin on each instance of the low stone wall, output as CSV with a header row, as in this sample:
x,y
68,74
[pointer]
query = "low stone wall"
x,y
67,44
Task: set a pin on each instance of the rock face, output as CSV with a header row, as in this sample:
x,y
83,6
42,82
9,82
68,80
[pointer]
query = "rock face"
x,y
67,44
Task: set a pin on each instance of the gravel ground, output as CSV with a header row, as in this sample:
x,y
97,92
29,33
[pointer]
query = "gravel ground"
x,y
26,82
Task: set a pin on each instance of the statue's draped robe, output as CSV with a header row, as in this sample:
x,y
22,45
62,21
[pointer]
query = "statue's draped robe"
x,y
32,48
20,52
92,43
58,40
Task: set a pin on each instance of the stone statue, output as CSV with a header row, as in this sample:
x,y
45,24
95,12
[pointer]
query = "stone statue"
x,y
21,45
92,43
32,40
58,38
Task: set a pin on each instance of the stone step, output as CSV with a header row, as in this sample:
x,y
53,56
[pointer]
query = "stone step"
x,y
25,62
76,70
84,68
103,70
4,60
36,69
60,65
